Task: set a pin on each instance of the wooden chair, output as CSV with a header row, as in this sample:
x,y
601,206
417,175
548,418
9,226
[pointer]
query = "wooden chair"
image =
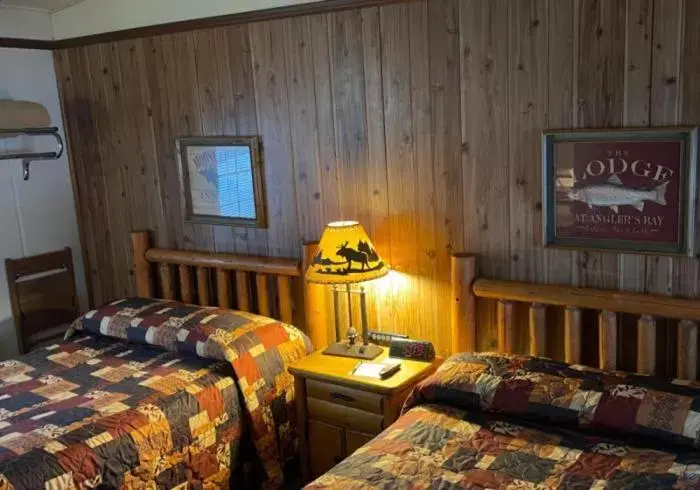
x,y
43,296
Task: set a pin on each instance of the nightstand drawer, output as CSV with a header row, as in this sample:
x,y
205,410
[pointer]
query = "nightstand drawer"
x,y
342,395
350,418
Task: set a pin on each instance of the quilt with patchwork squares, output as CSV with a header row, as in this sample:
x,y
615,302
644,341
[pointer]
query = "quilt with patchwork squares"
x,y
127,410
506,421
100,413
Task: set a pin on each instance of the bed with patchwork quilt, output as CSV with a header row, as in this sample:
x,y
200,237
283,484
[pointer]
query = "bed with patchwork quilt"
x,y
153,394
506,421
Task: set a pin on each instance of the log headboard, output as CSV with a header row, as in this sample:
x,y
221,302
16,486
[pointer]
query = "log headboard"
x,y
468,289
249,283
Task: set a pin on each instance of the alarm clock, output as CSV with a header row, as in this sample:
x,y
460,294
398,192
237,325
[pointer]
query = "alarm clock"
x,y
417,350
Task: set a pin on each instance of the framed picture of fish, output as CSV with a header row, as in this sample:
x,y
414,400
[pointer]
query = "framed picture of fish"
x,y
623,190
222,180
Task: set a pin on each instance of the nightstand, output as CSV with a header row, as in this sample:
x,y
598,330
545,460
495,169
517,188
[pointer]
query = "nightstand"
x,y
338,413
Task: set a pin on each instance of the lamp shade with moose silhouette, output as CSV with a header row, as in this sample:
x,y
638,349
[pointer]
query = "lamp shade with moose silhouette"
x,y
345,256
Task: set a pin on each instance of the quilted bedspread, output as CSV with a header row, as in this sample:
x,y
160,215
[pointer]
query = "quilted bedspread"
x,y
496,421
97,411
156,395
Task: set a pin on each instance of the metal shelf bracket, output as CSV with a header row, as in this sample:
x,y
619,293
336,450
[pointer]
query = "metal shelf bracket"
x,y
27,158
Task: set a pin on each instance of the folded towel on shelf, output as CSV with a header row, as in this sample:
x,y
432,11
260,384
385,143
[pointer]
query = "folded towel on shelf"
x,y
20,114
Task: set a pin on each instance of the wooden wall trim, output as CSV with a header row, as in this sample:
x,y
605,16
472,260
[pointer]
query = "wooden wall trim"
x,y
13,42
323,7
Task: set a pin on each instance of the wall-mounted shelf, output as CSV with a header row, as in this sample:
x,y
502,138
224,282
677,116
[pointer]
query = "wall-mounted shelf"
x,y
27,158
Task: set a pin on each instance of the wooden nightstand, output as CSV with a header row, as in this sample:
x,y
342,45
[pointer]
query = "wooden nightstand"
x,y
338,413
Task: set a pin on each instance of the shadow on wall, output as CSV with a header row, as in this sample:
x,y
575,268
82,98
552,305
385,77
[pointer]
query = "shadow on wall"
x,y
8,340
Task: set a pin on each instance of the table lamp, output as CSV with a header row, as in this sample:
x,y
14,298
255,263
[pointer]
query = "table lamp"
x,y
345,257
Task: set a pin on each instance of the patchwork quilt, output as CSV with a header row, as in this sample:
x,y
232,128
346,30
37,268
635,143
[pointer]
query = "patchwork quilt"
x,y
100,413
500,421
148,397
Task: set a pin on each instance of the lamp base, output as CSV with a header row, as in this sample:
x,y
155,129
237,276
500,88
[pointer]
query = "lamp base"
x,y
356,351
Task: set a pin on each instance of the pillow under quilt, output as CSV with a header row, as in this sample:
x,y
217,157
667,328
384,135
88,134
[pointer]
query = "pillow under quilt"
x,y
567,395
209,332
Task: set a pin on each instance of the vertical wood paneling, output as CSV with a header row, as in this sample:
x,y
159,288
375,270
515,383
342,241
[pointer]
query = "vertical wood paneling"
x,y
665,72
347,75
170,81
420,120
562,29
269,69
401,158
72,118
687,274
213,86
446,158
601,59
104,172
484,121
242,105
301,93
325,123
347,62
424,273
117,159
484,45
376,187
527,106
636,110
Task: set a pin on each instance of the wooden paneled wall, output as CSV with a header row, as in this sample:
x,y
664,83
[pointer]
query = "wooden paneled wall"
x,y
421,120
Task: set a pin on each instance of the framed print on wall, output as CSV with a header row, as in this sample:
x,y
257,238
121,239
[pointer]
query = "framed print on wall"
x,y
622,190
221,180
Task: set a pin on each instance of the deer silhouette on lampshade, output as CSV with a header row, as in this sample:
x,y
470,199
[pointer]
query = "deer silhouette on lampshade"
x,y
345,256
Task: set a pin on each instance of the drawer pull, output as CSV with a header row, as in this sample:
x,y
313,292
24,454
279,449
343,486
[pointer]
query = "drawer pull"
x,y
340,396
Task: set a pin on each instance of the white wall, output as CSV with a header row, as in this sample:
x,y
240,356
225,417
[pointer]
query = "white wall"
x,y
95,16
36,216
25,24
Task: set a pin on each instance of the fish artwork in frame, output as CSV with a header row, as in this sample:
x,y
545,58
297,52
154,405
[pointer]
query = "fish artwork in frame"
x,y
630,190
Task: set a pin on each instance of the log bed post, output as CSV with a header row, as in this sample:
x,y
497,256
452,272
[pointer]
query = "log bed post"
x,y
538,329
166,281
203,295
141,242
185,276
607,340
286,300
506,326
223,288
314,302
242,293
646,345
572,335
687,349
463,315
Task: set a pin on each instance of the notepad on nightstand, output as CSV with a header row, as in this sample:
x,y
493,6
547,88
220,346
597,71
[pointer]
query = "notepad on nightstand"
x,y
377,370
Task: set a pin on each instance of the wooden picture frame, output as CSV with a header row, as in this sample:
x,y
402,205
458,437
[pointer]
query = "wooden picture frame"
x,y
625,190
200,162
